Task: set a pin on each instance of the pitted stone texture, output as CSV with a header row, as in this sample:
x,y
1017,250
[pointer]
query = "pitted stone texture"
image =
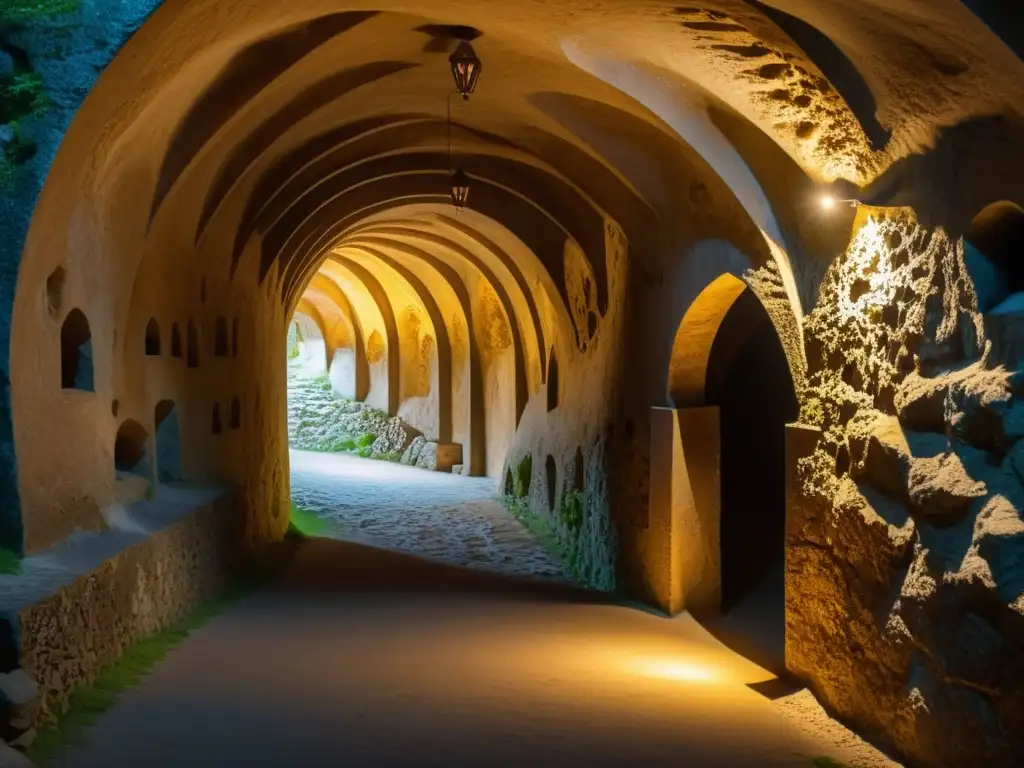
x,y
394,438
433,514
68,637
903,575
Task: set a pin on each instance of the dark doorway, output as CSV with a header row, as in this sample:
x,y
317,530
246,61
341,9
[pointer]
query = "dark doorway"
x,y
168,442
748,378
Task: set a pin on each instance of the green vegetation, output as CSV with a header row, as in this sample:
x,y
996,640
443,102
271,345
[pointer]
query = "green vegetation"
x,y
22,93
90,701
24,11
522,476
10,563
570,510
306,524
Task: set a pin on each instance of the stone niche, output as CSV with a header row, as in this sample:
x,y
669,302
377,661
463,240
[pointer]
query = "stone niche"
x,y
905,564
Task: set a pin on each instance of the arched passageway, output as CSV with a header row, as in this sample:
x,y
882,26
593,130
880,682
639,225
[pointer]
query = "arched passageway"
x,y
749,382
721,453
246,167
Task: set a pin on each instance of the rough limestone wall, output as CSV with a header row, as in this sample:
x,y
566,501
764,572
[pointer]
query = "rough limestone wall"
x,y
68,52
69,637
904,565
569,446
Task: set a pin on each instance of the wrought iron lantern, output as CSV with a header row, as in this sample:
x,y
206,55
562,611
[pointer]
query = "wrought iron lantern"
x,y
459,189
466,68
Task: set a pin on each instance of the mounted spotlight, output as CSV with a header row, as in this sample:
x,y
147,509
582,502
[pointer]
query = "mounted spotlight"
x,y
466,68
459,189
828,202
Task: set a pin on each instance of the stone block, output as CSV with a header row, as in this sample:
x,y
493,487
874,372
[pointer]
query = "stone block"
x,y
449,456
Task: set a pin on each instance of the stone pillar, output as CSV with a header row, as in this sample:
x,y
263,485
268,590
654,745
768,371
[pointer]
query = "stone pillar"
x,y
801,442
682,548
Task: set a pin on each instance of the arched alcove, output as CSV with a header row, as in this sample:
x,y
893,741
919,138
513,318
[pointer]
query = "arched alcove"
x,y
153,337
220,337
692,345
216,425
551,480
175,341
994,253
192,350
236,413
55,290
131,450
552,381
730,375
76,354
168,442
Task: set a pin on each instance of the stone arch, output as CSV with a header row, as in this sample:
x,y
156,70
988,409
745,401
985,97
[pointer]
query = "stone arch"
x,y
76,353
153,338
691,348
723,448
131,449
168,442
552,383
579,472
551,481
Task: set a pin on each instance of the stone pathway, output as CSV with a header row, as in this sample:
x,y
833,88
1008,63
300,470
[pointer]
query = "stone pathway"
x,y
444,517
358,656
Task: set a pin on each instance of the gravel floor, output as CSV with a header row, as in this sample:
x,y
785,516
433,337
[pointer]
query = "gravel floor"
x,y
444,517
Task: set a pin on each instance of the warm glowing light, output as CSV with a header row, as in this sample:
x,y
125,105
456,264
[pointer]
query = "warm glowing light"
x,y
675,669
466,68
459,189
828,202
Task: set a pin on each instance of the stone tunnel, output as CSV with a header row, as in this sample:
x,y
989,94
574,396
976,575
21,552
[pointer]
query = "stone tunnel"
x,y
742,275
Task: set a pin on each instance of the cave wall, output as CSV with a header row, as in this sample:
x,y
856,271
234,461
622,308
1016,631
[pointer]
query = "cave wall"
x,y
904,576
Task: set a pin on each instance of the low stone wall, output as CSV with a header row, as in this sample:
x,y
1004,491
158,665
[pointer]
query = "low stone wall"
x,y
68,637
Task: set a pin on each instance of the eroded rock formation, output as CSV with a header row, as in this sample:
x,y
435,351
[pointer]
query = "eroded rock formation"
x,y
905,565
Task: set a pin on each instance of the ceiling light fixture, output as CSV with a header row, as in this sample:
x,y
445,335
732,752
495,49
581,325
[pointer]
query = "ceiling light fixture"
x,y
466,66
459,182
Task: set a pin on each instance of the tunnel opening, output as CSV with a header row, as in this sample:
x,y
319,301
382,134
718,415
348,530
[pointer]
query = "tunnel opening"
x,y
749,380
168,442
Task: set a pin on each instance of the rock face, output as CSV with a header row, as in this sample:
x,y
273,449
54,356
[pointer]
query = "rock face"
x,y
318,421
394,437
905,567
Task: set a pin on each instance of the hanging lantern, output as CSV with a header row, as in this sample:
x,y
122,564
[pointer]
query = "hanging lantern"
x,y
465,68
459,189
